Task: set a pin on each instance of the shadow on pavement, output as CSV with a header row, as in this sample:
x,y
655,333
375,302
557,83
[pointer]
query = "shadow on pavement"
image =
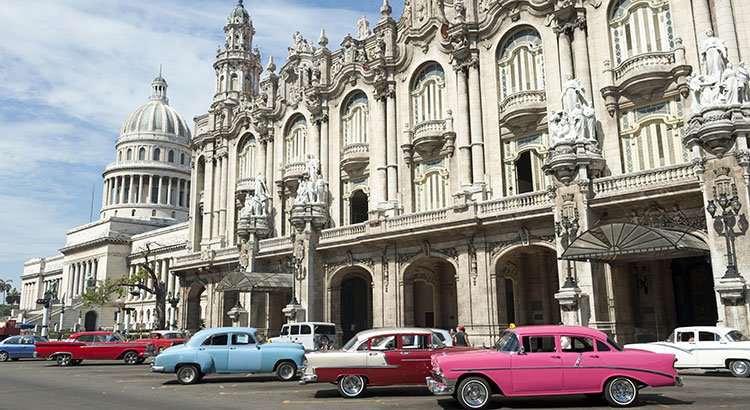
x,y
379,392
212,379
568,401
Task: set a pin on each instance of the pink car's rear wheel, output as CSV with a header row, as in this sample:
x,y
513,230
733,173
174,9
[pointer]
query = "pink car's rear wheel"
x,y
620,392
474,393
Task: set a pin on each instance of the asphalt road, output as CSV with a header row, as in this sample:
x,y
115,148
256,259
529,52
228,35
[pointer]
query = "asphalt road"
x,y
34,384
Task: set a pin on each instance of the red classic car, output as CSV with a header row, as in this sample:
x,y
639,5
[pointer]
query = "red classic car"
x,y
94,346
544,360
163,339
377,357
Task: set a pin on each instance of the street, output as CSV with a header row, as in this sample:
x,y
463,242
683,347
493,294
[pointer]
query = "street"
x,y
34,384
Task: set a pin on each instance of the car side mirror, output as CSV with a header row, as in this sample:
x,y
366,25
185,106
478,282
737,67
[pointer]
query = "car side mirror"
x,y
257,346
522,350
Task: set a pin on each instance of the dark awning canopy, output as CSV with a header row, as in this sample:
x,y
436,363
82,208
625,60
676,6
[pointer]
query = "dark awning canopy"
x,y
237,280
628,241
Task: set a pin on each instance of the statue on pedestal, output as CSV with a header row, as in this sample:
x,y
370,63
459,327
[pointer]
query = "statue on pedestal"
x,y
713,55
363,28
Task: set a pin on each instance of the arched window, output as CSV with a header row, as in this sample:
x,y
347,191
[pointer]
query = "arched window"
x,y
427,94
170,156
638,27
157,154
296,140
523,157
355,200
651,136
246,153
221,85
431,184
129,155
182,159
234,83
521,63
119,155
355,120
142,154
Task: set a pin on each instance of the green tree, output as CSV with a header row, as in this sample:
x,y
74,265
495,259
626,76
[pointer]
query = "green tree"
x,y
13,297
5,287
100,293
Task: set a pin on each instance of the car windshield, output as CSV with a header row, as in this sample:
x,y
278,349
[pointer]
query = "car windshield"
x,y
508,342
115,337
40,339
261,339
437,341
736,336
670,338
350,344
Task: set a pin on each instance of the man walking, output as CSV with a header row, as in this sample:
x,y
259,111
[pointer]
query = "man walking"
x,y
462,339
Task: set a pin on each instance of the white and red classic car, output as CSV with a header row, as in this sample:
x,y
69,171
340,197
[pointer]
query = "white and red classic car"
x,y
705,347
376,357
547,360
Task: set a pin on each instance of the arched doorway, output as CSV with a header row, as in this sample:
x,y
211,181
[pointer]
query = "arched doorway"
x,y
526,280
193,311
695,301
90,321
429,294
351,301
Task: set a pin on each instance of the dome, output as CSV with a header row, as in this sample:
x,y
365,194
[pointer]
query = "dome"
x,y
156,116
240,11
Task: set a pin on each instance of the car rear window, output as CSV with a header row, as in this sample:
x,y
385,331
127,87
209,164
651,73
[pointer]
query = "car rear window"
x,y
305,330
602,347
325,329
12,340
539,344
216,340
708,337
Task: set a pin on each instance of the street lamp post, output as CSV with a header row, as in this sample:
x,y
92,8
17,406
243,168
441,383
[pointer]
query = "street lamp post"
x,y
730,212
173,300
567,230
62,314
45,315
294,264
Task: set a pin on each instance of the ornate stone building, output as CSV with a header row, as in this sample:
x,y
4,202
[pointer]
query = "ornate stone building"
x,y
479,162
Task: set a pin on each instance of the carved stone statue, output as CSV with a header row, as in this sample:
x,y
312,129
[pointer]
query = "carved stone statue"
x,y
572,92
713,55
363,28
302,197
320,190
743,75
313,167
730,85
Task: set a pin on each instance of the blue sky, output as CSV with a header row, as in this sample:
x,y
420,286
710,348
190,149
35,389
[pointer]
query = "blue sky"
x,y
72,71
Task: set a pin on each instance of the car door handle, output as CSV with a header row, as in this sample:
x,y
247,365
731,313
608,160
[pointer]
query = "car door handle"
x,y
404,352
555,357
372,354
596,356
201,348
232,348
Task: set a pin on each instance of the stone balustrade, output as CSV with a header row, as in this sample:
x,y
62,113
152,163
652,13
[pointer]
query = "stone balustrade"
x,y
343,232
429,127
417,219
246,184
295,170
522,201
635,63
277,243
658,177
523,98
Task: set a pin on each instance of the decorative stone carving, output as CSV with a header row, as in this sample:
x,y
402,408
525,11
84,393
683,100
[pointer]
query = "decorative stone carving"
x,y
310,201
363,28
300,45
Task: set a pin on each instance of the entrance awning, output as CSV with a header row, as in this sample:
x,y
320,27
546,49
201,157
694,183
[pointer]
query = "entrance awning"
x,y
628,241
254,281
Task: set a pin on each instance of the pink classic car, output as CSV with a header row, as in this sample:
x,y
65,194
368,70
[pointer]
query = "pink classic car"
x,y
545,360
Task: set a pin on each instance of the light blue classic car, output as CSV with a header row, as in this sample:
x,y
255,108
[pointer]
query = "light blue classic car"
x,y
229,350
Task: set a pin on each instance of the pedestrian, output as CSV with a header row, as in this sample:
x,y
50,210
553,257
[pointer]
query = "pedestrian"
x,y
462,339
59,334
452,331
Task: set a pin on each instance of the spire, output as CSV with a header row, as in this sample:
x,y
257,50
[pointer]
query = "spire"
x,y
386,9
159,88
271,67
322,40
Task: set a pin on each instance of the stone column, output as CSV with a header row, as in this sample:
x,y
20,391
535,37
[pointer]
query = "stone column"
x,y
105,193
223,198
324,154
392,148
726,29
702,17
477,132
464,129
216,197
121,189
207,202
131,192
315,140
159,191
581,56
169,190
378,154
144,192
566,56
74,278
261,161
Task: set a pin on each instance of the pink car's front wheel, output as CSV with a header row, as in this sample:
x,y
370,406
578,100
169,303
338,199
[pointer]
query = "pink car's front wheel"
x,y
474,393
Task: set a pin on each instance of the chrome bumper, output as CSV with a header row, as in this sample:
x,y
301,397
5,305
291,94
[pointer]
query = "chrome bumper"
x,y
308,378
158,369
438,389
678,381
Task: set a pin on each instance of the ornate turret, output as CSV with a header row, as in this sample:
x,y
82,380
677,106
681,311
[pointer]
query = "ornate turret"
x,y
238,65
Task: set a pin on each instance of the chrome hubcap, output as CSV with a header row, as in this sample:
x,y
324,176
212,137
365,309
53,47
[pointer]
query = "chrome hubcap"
x,y
475,394
131,358
3,356
352,384
187,375
739,367
623,391
286,371
64,360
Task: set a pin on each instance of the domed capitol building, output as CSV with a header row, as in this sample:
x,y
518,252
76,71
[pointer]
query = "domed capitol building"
x,y
475,162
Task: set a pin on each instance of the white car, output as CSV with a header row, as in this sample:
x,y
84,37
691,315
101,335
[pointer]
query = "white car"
x,y
444,336
705,347
311,335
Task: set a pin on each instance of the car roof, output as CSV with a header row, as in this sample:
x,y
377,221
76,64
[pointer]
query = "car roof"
x,y
366,334
558,329
166,332
718,329
310,323
217,330
90,333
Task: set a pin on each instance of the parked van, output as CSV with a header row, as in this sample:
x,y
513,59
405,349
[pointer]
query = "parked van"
x,y
311,335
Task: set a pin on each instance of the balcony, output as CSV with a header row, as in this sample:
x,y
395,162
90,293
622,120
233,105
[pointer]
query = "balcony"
x,y
640,76
523,108
430,138
294,170
355,156
653,182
